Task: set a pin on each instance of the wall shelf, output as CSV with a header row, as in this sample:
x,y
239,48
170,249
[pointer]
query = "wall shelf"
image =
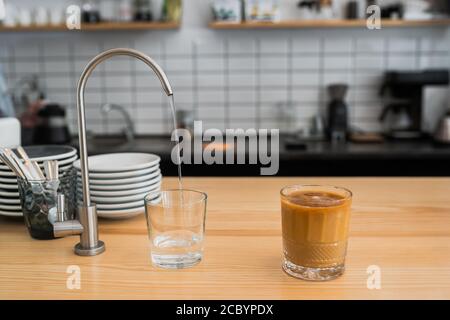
x,y
103,26
299,24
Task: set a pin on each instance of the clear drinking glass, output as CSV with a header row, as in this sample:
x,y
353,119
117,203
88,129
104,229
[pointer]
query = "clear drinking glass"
x,y
315,224
176,227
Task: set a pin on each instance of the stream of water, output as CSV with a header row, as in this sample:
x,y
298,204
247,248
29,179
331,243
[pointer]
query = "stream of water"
x,y
174,118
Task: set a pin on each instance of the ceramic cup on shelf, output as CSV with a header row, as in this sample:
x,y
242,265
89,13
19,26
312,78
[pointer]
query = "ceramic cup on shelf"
x,y
11,16
157,7
10,133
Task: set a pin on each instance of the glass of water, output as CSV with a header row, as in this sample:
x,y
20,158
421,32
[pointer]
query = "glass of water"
x,y
176,227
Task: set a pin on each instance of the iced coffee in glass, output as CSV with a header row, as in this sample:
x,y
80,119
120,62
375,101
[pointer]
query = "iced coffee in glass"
x,y
315,224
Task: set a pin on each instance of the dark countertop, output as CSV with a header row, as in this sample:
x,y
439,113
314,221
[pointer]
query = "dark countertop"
x,y
319,158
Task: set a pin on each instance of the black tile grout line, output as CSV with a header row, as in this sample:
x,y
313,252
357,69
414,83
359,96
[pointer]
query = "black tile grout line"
x,y
227,83
321,107
234,72
418,56
133,68
274,88
41,67
290,74
12,68
83,58
307,104
386,55
73,75
219,119
118,74
233,119
104,97
242,104
257,82
448,62
195,94
352,99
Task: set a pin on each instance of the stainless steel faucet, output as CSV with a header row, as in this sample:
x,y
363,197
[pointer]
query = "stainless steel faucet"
x,y
89,244
129,128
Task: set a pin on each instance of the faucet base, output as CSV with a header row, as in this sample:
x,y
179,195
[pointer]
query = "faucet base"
x,y
91,251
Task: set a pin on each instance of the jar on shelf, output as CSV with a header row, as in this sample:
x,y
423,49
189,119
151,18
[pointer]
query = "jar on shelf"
x,y
142,10
90,11
173,10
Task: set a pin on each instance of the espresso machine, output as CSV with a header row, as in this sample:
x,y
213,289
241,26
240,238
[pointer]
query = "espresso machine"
x,y
403,94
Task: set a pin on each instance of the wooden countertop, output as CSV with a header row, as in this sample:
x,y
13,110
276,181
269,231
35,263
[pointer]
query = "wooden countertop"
x,y
400,225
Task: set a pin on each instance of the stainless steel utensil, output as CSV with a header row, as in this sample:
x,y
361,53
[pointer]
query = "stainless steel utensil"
x,y
15,162
55,167
14,168
37,170
27,162
51,169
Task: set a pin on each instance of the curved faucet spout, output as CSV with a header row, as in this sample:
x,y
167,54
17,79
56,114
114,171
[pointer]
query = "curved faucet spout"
x,y
89,243
81,106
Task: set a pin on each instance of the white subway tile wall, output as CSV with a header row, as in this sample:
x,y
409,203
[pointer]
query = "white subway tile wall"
x,y
229,80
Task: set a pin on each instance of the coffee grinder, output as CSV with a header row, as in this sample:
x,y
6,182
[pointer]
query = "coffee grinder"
x,y
403,92
337,113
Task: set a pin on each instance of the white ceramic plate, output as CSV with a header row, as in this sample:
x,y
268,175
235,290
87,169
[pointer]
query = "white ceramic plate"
x,y
11,213
64,162
121,214
148,178
121,193
124,174
118,162
9,194
49,152
9,173
9,186
117,206
119,200
8,180
124,187
10,201
61,163
10,207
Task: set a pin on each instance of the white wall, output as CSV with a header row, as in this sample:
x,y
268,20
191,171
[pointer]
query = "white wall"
x,y
228,78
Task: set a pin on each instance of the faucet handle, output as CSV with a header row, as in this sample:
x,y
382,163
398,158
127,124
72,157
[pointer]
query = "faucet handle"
x,y
61,208
62,227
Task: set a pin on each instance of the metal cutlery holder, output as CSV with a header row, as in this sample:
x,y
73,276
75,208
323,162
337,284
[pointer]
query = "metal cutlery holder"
x,y
39,201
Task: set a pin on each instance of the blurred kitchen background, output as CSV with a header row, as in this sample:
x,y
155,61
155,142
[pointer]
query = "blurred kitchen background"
x,y
348,100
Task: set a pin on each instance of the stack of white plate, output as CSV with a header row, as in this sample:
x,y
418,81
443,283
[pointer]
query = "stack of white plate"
x,y
119,182
9,191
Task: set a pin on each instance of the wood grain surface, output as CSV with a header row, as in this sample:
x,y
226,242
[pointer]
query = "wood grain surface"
x,y
401,225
